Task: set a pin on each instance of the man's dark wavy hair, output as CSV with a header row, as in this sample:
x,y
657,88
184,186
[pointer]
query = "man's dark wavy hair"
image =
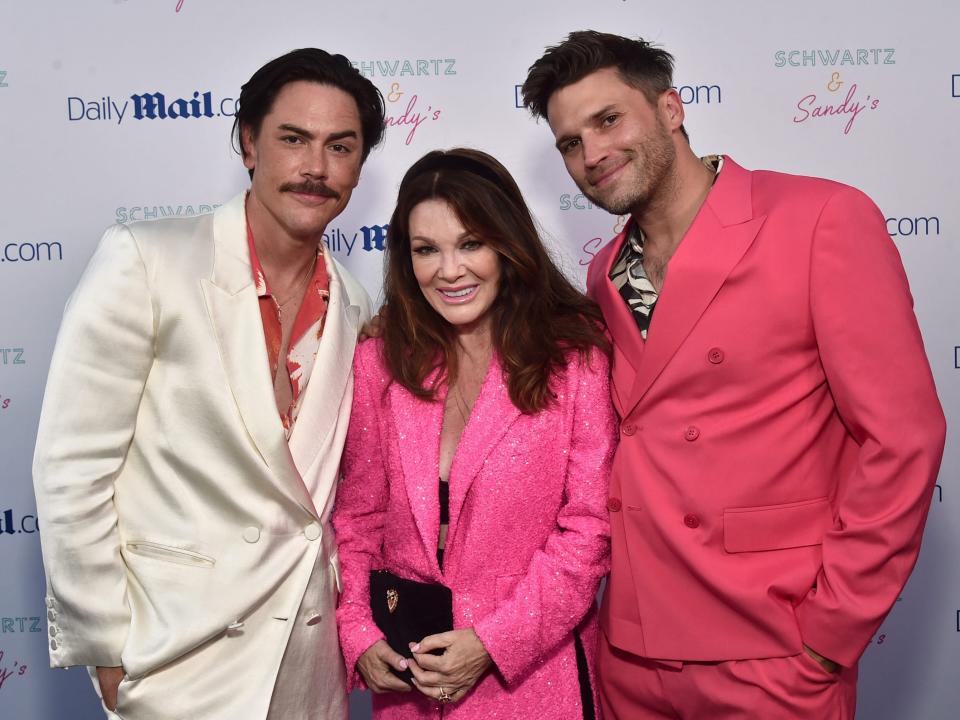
x,y
640,65
313,65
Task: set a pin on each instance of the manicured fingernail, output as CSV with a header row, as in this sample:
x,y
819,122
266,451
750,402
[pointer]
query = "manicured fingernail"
x,y
403,664
415,647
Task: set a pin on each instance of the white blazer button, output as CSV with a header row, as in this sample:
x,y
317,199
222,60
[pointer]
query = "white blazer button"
x,y
235,625
251,534
314,619
312,532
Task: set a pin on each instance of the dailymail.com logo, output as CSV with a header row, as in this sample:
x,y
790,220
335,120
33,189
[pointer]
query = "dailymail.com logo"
x,y
151,106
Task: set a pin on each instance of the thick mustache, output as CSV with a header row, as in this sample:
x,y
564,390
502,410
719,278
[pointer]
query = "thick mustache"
x,y
311,188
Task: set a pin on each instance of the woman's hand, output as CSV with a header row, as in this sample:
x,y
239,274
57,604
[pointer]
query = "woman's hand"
x,y
463,662
375,666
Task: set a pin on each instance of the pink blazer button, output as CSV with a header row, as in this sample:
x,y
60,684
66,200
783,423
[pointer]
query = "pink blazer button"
x,y
715,355
691,521
613,504
691,433
629,429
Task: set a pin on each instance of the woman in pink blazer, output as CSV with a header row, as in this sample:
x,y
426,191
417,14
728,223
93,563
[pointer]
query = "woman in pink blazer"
x,y
478,458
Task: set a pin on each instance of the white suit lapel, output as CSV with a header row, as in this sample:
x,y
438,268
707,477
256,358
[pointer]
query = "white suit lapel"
x,y
232,303
328,383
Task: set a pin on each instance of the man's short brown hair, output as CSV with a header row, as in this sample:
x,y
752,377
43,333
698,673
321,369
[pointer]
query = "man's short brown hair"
x,y
638,62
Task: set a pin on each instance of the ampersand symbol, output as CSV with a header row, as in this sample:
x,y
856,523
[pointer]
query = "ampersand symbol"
x,y
621,221
835,82
394,93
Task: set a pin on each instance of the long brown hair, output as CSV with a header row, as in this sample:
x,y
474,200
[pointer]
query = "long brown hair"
x,y
538,317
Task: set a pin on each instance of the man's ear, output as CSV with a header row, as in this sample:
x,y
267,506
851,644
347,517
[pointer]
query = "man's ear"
x,y
671,109
248,150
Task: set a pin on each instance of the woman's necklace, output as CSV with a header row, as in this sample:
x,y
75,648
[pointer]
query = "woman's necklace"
x,y
463,409
470,378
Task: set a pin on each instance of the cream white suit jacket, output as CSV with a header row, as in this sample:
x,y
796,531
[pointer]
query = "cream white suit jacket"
x,y
173,507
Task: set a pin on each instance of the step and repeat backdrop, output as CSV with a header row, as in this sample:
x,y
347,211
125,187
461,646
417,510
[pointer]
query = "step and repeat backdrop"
x,y
864,93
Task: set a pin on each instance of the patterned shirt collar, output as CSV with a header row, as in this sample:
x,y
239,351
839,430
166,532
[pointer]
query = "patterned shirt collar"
x,y
307,327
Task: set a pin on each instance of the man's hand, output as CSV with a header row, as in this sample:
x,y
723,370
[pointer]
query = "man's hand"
x,y
375,666
829,665
109,679
463,662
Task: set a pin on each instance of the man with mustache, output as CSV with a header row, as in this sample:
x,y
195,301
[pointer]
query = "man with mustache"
x,y
194,416
780,429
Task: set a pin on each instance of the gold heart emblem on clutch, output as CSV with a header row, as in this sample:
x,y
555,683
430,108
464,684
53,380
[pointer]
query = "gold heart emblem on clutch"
x,y
393,597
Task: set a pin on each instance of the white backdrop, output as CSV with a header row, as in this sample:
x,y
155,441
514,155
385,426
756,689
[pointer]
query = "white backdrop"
x,y
755,75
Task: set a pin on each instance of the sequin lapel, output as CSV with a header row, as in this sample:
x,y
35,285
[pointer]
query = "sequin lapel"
x,y
418,424
418,439
491,418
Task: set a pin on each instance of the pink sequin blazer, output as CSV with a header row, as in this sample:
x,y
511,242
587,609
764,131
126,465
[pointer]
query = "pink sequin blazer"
x,y
528,538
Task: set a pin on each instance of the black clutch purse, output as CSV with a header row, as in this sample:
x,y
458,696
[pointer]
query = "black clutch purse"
x,y
407,611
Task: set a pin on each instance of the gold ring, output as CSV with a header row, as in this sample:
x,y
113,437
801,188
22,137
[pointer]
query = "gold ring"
x,y
444,696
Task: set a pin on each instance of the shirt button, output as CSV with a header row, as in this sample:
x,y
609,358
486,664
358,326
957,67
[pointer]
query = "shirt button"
x,y
715,355
311,532
691,433
251,534
628,428
613,504
691,521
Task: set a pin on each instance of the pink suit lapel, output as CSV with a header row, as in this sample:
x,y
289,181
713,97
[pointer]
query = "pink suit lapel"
x,y
627,342
720,235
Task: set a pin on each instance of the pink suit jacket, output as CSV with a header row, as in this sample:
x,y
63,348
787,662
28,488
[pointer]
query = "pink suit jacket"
x,y
780,431
528,538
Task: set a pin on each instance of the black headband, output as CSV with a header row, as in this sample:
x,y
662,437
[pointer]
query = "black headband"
x,y
438,160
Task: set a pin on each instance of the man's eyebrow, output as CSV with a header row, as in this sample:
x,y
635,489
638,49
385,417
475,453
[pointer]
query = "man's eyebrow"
x,y
594,118
342,135
563,140
297,130
303,132
605,110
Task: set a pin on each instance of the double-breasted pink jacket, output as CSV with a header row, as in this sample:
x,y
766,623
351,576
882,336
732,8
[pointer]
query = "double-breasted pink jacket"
x,y
528,538
780,430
